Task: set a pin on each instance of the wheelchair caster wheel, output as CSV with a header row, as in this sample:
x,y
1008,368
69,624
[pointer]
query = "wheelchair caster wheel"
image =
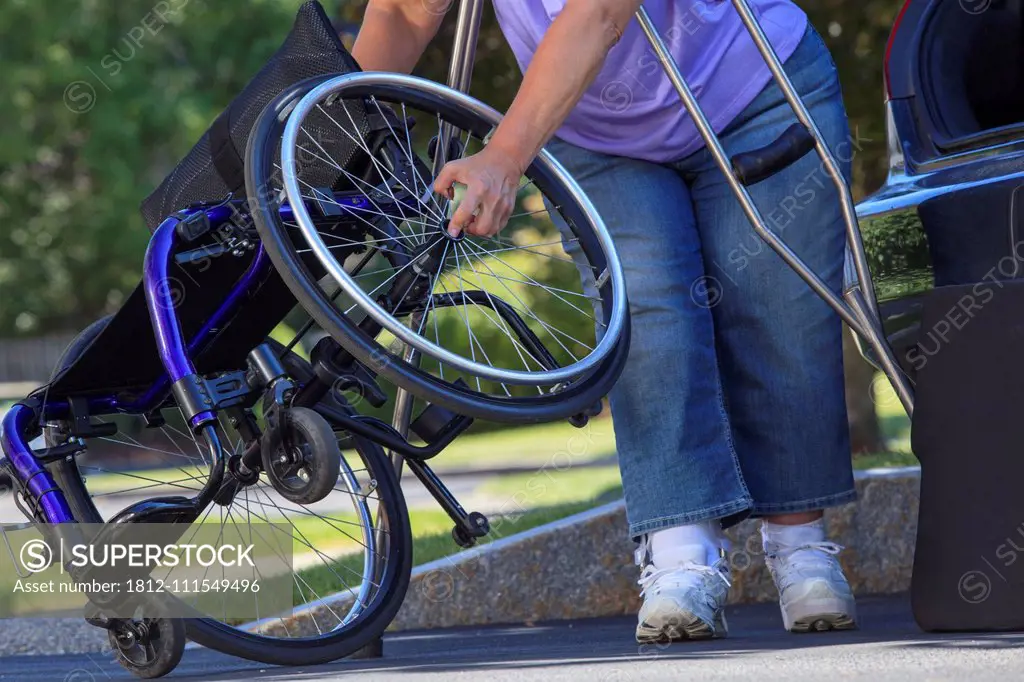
x,y
148,648
301,456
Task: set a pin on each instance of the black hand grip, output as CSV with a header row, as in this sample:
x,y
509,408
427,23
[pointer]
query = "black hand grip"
x,y
760,164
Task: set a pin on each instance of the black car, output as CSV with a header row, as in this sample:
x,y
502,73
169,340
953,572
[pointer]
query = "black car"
x,y
951,210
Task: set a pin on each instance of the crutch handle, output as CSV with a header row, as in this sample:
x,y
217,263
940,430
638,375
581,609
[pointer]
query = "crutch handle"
x,y
760,164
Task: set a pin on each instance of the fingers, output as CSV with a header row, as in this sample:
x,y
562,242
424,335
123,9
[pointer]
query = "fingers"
x,y
446,179
486,202
493,214
469,210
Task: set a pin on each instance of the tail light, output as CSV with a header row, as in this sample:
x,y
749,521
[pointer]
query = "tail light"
x,y
892,41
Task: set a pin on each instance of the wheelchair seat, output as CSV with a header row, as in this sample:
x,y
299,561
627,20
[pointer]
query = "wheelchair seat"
x,y
123,358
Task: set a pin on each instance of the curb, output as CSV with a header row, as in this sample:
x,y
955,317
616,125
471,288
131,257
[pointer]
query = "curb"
x,y
582,566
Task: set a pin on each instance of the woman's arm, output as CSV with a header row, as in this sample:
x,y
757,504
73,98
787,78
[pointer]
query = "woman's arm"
x,y
395,33
567,61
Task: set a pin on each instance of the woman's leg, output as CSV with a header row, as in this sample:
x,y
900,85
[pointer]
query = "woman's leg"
x,y
680,473
780,345
675,452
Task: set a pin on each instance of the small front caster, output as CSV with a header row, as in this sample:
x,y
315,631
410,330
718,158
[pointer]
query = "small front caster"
x,y
301,456
150,647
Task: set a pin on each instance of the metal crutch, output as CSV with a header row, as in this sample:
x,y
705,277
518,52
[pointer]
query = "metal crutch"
x,y
857,306
460,75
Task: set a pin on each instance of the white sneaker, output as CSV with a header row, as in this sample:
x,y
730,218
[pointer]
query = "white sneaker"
x,y
685,600
813,592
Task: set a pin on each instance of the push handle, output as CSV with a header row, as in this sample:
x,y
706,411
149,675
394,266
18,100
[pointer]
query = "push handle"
x,y
760,164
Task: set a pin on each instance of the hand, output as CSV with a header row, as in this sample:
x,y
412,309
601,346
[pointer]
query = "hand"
x,y
491,178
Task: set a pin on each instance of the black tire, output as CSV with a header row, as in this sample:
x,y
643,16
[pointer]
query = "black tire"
x,y
161,655
303,430
260,168
379,612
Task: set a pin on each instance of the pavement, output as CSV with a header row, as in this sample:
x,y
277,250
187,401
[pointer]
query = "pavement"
x,y
888,646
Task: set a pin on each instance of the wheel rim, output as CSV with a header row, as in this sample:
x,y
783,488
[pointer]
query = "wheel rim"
x,y
360,85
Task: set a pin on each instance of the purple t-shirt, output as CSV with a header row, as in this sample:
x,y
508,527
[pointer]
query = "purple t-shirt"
x,y
632,108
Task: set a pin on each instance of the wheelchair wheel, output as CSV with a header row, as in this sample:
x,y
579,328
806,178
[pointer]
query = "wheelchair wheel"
x,y
352,555
528,326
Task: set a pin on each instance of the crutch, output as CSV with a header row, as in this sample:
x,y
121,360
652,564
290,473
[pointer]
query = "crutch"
x,y
857,305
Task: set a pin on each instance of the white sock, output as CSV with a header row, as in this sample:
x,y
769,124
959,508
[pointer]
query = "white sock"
x,y
681,544
783,536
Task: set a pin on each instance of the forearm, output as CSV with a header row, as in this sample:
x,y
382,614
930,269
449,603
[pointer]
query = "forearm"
x,y
565,64
395,33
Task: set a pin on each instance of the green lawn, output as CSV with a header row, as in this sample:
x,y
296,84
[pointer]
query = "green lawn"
x,y
557,445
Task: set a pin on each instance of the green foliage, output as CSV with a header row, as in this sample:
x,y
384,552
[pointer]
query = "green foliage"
x,y
101,99
856,32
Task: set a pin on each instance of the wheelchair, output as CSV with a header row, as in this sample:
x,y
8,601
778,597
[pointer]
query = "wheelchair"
x,y
311,196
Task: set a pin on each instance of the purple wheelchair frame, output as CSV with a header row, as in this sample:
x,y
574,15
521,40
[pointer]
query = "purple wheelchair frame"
x,y
175,354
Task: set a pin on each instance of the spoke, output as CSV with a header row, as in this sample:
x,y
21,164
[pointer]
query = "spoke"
x,y
430,299
305,541
408,155
529,181
529,213
178,483
371,225
462,290
416,178
376,164
404,217
392,277
303,510
472,350
338,166
527,311
528,249
503,326
354,242
541,286
534,282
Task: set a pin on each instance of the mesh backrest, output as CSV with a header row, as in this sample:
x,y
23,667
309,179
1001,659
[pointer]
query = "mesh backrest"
x,y
213,168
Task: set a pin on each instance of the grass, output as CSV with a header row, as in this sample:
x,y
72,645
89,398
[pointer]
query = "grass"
x,y
551,487
884,459
557,445
557,488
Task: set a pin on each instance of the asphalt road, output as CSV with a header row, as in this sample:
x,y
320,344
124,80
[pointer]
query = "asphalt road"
x,y
887,647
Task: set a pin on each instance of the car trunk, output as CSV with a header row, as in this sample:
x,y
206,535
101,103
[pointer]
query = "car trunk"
x,y
955,74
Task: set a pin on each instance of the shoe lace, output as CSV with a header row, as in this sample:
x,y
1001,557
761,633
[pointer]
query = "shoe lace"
x,y
829,548
650,575
809,555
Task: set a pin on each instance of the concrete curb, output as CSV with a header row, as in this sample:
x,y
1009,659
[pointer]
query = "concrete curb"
x,y
581,566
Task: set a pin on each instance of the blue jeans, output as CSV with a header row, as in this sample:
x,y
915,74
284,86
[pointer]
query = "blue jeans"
x,y
731,403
